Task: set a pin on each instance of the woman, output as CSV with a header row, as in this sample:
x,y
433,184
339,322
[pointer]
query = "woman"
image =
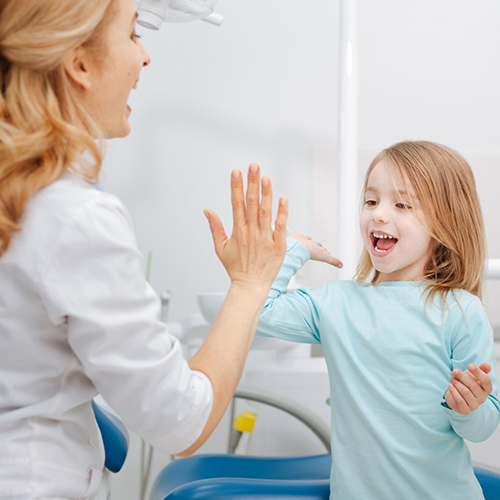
x,y
77,317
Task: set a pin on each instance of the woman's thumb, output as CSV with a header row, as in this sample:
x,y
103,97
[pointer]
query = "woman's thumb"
x,y
218,234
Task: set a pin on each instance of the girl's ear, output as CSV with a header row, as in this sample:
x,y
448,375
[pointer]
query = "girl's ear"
x,y
77,66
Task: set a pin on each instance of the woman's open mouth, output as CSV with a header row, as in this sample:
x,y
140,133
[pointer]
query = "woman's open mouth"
x,y
382,243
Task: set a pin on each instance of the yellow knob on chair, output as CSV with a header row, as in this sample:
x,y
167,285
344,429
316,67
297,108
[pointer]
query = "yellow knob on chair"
x,y
245,422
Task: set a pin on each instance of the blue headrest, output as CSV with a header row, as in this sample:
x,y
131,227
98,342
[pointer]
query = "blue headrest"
x,y
489,479
114,436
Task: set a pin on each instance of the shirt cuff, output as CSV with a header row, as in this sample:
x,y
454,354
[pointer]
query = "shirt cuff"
x,y
193,424
444,404
296,247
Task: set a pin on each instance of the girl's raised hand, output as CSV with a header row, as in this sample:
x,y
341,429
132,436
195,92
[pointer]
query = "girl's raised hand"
x,y
469,389
254,253
317,250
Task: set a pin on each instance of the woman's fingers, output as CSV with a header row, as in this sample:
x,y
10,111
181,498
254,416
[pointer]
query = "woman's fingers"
x,y
280,224
266,206
238,199
253,195
254,252
218,234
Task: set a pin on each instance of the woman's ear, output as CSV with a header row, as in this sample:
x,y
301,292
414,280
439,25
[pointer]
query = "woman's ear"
x,y
77,66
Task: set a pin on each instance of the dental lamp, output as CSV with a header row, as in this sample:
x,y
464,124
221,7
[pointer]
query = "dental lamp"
x,y
153,12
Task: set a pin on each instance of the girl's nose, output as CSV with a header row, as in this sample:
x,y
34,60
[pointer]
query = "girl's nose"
x,y
380,214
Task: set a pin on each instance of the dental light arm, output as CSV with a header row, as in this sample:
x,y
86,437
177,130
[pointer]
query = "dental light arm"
x,y
153,12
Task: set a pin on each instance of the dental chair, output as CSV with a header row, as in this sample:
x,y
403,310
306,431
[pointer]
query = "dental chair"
x,y
235,477
116,441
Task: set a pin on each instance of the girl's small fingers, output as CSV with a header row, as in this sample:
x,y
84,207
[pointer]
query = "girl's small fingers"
x,y
460,404
481,375
463,389
477,381
450,400
485,367
472,396
336,262
467,378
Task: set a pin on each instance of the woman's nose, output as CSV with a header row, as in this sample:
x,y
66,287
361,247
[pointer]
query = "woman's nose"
x,y
147,57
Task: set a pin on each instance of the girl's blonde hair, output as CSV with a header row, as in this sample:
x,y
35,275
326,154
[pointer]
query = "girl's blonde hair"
x,y
43,126
444,183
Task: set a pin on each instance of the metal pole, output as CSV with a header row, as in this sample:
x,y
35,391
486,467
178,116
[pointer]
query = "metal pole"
x,y
347,191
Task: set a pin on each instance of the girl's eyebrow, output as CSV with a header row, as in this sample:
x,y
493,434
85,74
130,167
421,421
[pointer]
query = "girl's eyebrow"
x,y
412,196
400,192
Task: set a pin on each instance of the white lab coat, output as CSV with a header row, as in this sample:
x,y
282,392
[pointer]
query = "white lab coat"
x,y
78,318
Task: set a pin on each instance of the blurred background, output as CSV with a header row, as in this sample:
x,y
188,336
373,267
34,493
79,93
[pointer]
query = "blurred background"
x,y
263,87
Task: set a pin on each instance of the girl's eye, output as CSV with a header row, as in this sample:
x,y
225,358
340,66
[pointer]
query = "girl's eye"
x,y
371,203
135,35
403,206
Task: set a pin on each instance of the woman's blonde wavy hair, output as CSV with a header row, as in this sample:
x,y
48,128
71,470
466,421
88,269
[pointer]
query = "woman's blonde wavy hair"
x,y
444,183
43,126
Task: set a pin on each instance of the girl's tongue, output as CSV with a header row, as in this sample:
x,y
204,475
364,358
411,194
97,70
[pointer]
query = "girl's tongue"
x,y
385,243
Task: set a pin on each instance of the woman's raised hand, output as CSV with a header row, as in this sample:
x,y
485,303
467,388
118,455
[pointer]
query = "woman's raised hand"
x,y
317,250
254,253
252,257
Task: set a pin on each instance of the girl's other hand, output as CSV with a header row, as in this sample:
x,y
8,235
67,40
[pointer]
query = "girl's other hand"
x,y
254,253
469,389
317,250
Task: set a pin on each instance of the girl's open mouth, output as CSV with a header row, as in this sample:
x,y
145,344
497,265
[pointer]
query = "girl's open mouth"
x,y
382,243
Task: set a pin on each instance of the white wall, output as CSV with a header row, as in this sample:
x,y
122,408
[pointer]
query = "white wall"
x,y
263,87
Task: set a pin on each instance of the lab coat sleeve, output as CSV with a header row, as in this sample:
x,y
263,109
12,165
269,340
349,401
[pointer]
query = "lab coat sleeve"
x,y
94,282
295,316
472,342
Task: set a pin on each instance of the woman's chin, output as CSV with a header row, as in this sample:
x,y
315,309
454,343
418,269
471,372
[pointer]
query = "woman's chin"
x,y
126,131
122,131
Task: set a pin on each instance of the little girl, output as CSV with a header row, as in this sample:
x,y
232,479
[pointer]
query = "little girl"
x,y
407,343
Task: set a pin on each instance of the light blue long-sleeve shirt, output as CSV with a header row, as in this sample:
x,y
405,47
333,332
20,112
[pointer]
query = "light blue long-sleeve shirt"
x,y
389,362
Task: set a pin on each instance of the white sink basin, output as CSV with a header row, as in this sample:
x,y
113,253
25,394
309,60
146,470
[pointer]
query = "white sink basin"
x,y
210,304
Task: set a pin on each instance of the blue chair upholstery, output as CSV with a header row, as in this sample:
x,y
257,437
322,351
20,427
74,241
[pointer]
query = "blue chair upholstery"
x,y
251,489
489,481
114,436
234,477
204,469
